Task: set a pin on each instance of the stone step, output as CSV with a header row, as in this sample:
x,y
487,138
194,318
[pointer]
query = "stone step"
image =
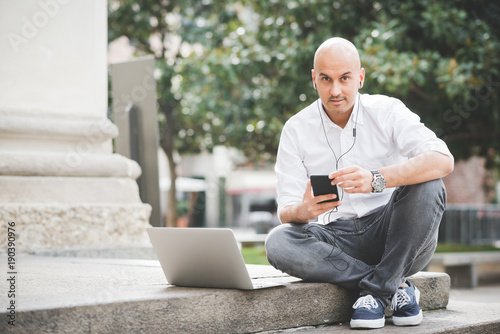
x,y
90,295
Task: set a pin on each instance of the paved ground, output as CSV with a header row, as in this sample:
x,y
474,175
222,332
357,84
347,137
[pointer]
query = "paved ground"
x,y
481,294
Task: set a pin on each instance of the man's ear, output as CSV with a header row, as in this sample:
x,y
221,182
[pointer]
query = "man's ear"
x,y
313,79
361,77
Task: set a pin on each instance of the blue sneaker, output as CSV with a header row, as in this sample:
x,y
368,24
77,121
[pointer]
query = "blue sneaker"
x,y
405,306
368,313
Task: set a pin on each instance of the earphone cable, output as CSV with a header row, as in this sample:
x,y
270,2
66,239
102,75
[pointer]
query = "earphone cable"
x,y
337,160
353,133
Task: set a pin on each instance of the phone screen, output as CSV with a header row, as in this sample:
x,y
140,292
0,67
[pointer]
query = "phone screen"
x,y
322,185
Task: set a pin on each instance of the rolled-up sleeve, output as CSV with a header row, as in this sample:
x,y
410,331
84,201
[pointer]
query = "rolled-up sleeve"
x,y
410,135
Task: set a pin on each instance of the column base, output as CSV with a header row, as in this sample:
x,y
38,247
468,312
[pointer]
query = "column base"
x,y
40,227
72,212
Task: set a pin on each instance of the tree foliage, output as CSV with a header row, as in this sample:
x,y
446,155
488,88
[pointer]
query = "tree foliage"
x,y
439,58
174,31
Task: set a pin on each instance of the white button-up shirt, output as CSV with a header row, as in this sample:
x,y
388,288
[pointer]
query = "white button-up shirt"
x,y
387,133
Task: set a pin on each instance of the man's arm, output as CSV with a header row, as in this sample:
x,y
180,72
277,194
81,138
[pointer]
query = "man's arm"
x,y
424,167
309,208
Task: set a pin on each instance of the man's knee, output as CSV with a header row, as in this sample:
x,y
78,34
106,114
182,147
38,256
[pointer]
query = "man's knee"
x,y
435,186
281,244
431,192
274,241
436,191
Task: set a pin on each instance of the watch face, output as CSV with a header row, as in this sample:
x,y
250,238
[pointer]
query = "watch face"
x,y
378,184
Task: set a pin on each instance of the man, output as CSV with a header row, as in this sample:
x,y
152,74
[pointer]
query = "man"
x,y
387,166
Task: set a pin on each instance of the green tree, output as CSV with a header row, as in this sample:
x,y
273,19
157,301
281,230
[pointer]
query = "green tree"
x,y
173,31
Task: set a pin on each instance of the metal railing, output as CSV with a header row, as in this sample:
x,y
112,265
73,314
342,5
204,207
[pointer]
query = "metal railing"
x,y
470,224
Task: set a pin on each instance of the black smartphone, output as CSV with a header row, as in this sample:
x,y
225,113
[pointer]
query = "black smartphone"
x,y
322,185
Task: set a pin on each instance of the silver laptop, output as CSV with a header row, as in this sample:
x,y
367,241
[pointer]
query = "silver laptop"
x,y
202,257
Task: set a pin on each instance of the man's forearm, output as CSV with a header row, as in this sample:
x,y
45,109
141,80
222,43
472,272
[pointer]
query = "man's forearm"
x,y
427,166
292,214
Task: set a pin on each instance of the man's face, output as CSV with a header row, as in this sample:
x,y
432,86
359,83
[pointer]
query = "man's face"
x,y
337,77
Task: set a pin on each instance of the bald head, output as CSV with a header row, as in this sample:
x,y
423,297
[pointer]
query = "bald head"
x,y
338,47
337,76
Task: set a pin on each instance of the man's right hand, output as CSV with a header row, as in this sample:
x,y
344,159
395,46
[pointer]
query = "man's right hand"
x,y
310,207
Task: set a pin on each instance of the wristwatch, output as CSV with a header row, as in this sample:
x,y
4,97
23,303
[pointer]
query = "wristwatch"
x,y
378,183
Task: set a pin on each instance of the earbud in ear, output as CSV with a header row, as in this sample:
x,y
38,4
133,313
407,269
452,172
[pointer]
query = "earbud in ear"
x,y
360,84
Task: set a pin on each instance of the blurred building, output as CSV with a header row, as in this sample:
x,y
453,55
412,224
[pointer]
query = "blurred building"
x,y
471,183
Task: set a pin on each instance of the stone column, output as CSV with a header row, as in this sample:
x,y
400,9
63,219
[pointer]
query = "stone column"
x,y
59,180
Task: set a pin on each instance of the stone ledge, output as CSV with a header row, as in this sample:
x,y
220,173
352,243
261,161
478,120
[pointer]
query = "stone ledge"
x,y
73,295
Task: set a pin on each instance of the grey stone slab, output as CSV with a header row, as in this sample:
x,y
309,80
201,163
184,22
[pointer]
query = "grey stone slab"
x,y
78,295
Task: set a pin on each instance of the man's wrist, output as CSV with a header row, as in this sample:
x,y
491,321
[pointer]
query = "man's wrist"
x,y
378,182
293,214
301,213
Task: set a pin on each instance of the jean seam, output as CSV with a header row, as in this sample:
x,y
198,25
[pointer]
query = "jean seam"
x,y
357,261
426,238
366,228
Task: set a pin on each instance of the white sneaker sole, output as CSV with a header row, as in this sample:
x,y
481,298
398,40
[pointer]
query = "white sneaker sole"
x,y
408,321
361,323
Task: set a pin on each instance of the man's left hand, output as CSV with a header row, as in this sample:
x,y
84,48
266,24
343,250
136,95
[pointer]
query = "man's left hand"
x,y
353,179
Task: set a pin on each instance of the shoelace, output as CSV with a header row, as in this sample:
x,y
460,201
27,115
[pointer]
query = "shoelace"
x,y
366,301
400,299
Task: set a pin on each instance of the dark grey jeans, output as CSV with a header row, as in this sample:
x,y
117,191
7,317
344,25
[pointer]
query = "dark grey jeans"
x,y
374,253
